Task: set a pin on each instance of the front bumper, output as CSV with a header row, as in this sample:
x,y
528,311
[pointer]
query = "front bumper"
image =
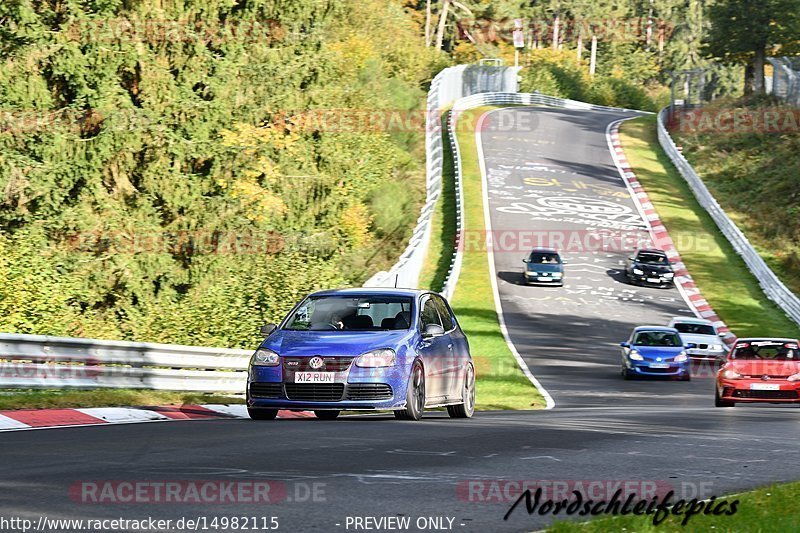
x,y
546,279
645,368
699,353
655,281
740,390
353,389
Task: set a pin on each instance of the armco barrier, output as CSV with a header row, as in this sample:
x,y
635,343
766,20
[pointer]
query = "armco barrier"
x,y
42,362
449,85
772,286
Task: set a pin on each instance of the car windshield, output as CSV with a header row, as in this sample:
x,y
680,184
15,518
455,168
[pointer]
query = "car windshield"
x,y
657,338
695,329
765,350
651,259
351,313
544,258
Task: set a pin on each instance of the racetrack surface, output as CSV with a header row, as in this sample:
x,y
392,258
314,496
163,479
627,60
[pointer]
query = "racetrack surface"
x,y
602,428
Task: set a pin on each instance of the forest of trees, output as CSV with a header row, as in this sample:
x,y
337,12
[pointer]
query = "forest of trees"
x,y
165,176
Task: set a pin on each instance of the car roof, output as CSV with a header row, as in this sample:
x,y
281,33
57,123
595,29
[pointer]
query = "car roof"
x,y
651,251
655,328
691,320
370,291
756,339
544,250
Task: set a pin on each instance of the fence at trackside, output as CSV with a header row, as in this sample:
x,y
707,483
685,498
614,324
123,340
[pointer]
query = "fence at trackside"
x,y
43,362
479,100
449,85
771,285
786,79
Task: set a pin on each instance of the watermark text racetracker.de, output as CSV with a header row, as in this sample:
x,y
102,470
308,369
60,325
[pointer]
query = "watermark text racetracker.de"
x,y
46,524
587,498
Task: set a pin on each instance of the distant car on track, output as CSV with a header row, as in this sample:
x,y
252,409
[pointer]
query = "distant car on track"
x,y
655,351
364,349
649,266
703,334
760,370
543,266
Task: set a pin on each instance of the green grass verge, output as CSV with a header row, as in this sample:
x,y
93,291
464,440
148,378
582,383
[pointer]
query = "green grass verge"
x,y
717,269
769,509
106,398
500,384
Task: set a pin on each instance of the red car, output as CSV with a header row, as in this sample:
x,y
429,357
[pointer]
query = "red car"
x,y
760,370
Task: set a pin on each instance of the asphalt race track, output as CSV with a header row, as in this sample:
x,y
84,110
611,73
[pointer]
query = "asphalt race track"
x,y
555,176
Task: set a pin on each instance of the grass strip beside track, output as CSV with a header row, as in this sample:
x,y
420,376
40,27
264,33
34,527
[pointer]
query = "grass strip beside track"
x,y
106,398
717,269
500,384
772,508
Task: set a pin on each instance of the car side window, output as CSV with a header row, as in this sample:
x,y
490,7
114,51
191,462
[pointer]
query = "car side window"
x,y
444,313
429,314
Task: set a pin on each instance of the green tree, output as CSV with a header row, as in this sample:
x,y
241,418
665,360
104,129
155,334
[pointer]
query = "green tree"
x,y
746,32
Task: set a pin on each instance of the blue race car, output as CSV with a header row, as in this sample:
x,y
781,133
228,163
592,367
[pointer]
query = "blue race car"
x,y
363,349
655,351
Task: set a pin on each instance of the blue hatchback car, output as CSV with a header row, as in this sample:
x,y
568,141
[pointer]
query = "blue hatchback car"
x,y
363,349
655,351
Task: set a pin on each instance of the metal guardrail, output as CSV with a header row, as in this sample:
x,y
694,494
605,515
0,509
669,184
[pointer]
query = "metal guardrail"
x,y
449,85
472,102
43,362
786,79
770,284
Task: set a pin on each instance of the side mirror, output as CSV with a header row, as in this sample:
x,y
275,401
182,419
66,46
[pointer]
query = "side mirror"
x,y
433,330
632,258
690,346
267,329
625,344
564,261
524,260
722,335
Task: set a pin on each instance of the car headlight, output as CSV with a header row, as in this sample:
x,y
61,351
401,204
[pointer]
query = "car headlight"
x,y
731,374
265,357
638,271
635,356
557,274
681,357
716,347
794,377
668,274
376,358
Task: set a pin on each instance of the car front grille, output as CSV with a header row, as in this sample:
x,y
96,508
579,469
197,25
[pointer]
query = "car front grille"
x,y
369,391
266,390
329,364
315,392
703,346
658,370
766,394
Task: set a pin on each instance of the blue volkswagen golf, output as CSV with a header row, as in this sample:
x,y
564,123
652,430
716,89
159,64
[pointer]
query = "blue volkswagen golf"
x,y
363,349
655,351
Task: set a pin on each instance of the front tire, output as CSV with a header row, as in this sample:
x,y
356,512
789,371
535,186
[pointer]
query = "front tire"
x,y
415,395
719,402
262,414
327,415
467,408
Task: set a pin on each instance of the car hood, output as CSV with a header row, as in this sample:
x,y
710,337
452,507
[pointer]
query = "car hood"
x,y
701,339
760,367
661,269
539,267
653,352
328,343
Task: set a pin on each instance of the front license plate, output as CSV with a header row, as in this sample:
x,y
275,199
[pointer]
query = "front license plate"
x,y
653,280
659,365
543,279
765,386
314,377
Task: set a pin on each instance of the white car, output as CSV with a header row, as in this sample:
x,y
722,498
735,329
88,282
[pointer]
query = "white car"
x,y
703,334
